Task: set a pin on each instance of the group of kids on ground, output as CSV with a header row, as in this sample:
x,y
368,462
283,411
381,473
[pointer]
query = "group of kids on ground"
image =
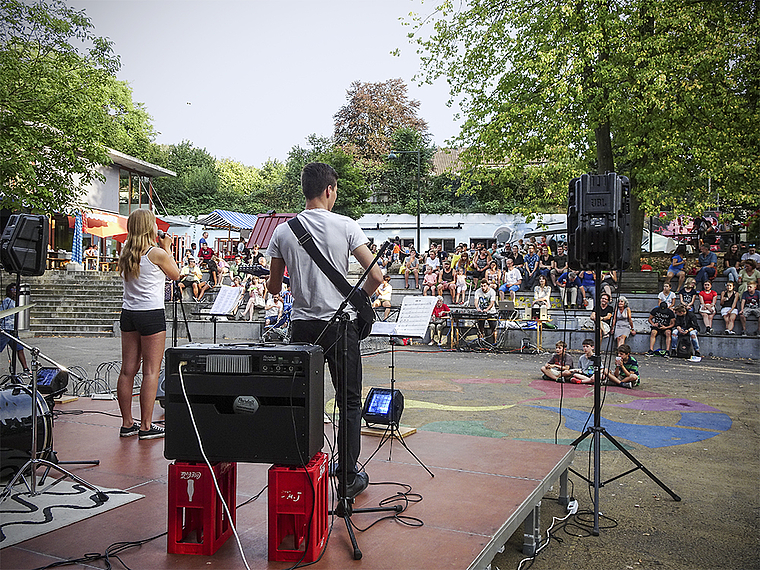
x,y
560,367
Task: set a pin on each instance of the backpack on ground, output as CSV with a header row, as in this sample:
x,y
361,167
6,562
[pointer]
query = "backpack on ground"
x,y
684,348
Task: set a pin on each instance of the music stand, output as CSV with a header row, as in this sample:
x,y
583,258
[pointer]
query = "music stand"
x,y
226,302
413,320
34,462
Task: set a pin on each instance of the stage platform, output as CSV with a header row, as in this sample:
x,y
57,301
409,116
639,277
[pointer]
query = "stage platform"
x,y
484,489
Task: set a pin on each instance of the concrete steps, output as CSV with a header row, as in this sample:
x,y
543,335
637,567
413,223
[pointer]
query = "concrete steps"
x,y
84,303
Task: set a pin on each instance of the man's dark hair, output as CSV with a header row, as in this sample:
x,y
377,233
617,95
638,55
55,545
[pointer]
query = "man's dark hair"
x,y
587,341
315,177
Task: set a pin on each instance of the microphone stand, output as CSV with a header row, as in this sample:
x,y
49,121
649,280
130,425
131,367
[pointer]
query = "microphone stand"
x,y
344,508
35,462
178,298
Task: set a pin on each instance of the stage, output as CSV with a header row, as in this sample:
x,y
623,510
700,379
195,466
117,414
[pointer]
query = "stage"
x,y
483,490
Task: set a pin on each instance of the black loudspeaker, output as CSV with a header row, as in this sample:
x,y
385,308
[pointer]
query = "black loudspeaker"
x,y
251,403
23,244
599,222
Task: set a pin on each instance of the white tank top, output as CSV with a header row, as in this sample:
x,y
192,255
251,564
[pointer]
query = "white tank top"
x,y
146,293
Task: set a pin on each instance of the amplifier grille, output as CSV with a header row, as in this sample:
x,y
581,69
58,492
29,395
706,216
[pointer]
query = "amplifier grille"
x,y
228,364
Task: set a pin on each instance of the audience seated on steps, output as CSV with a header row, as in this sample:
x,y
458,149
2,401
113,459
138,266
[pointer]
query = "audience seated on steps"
x,y
412,266
191,276
707,264
512,280
667,295
438,321
606,313
568,288
382,296
732,262
622,322
662,320
429,282
707,299
750,306
688,295
749,272
729,303
677,268
685,324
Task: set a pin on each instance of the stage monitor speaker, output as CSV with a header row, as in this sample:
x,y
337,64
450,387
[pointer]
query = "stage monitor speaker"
x,y
253,403
599,222
23,244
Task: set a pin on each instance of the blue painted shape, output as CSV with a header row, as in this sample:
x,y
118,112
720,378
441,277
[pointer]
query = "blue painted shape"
x,y
717,422
646,435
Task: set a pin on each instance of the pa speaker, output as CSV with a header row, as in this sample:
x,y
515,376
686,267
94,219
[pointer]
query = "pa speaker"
x,y
599,222
23,244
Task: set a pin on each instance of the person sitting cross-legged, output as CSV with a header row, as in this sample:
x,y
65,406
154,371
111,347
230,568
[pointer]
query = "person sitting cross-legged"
x,y
584,374
559,367
626,372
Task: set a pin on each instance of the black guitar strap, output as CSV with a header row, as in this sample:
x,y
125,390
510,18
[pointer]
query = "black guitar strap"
x,y
307,242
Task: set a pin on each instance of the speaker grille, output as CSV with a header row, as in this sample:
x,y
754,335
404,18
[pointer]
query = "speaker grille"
x,y
228,364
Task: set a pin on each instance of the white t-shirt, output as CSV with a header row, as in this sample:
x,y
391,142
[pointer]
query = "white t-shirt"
x,y
483,299
336,236
513,276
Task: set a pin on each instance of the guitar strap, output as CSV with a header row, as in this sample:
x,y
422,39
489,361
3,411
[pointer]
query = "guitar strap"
x,y
340,282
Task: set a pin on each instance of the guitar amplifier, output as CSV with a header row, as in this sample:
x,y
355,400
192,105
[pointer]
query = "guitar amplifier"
x,y
252,403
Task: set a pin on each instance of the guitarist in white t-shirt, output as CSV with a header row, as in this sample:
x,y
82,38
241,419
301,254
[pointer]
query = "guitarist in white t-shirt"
x,y
316,298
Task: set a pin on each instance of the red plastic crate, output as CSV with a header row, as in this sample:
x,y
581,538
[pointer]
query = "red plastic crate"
x,y
197,521
298,515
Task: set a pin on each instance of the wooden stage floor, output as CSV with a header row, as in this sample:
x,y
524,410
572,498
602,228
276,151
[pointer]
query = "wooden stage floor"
x,y
483,490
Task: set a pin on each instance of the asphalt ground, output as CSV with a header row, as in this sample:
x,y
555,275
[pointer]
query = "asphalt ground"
x,y
694,426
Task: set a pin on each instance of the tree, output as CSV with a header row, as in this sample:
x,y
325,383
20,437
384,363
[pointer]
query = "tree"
x,y
194,189
54,75
661,91
352,189
374,111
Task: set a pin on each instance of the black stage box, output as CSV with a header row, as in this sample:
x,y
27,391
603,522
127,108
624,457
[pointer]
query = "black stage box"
x,y
253,403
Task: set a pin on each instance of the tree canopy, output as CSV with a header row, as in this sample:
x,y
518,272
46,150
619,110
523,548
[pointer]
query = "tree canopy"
x,y
60,105
373,112
665,92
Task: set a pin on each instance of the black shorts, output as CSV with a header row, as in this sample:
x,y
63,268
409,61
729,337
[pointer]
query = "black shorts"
x,y
144,322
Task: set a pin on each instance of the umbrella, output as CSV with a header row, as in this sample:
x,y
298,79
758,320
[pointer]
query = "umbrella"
x,y
76,249
103,224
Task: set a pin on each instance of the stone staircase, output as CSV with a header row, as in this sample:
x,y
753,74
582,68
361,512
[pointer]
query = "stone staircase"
x,y
83,303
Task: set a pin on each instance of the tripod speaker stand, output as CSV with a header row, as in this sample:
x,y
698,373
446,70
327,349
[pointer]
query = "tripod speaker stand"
x,y
598,223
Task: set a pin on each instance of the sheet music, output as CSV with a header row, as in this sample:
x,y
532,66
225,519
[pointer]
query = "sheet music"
x,y
227,300
413,318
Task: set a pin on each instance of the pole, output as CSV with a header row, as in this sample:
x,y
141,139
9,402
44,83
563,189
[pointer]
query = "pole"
x,y
419,241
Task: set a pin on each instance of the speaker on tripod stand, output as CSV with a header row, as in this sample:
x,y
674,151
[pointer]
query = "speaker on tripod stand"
x,y
599,237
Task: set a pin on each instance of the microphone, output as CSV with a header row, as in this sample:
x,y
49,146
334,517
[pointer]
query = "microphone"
x,y
161,234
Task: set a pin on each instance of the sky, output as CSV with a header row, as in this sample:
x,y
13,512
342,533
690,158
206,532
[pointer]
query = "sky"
x,y
250,79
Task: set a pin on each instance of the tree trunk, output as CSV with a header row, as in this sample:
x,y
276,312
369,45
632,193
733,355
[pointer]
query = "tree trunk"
x,y
605,162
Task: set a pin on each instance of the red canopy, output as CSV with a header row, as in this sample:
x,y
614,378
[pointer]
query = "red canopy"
x,y
105,224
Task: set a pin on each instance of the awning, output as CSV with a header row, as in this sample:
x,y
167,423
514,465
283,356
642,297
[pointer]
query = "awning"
x,y
105,224
227,219
265,225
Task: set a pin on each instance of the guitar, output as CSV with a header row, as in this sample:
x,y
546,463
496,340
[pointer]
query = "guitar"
x,y
365,314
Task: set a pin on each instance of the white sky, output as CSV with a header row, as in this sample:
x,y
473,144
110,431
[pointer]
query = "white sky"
x,y
250,79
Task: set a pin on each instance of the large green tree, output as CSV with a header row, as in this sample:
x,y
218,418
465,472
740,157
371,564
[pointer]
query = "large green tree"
x,y
194,190
60,105
353,192
663,91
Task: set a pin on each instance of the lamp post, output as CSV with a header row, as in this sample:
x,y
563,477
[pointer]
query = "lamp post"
x,y
392,156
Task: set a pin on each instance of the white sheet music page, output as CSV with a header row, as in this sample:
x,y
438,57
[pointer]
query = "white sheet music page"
x,y
414,317
227,300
